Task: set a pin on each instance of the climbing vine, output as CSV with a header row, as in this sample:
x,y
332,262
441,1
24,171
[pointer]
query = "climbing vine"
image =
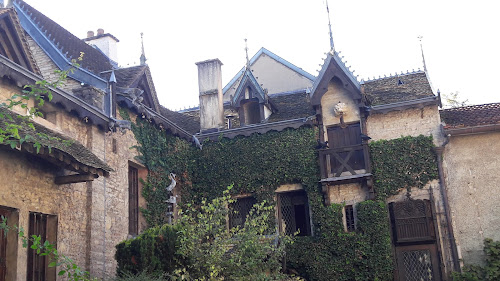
x,y
405,162
260,163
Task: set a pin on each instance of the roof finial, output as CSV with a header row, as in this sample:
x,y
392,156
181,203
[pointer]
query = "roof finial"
x,y
246,51
422,50
143,55
332,48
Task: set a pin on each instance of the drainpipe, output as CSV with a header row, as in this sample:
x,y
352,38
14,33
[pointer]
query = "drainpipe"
x,y
444,194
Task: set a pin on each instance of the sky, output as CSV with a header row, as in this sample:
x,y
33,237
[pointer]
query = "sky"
x,y
461,39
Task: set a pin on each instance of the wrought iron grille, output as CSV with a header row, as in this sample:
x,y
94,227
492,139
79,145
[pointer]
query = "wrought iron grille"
x,y
239,210
349,218
287,220
418,265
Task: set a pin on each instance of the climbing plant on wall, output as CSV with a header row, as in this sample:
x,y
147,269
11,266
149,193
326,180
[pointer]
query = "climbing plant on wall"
x,y
260,163
405,162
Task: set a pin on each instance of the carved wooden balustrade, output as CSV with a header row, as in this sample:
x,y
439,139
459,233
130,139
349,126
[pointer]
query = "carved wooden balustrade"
x,y
345,161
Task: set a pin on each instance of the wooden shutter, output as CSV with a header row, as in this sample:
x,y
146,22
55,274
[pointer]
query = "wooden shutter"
x,y
3,246
37,264
412,221
133,201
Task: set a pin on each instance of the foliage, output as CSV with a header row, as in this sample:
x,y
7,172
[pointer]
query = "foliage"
x,y
11,125
201,247
259,164
361,255
453,100
405,162
68,268
488,272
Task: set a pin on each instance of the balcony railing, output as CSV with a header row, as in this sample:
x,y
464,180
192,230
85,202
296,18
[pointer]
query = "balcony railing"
x,y
344,161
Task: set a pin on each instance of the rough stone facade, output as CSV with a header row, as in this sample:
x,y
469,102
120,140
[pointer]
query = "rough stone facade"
x,y
471,165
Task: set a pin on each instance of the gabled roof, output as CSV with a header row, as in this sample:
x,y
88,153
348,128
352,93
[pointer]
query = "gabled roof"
x,y
334,67
277,58
471,116
62,46
13,41
398,88
248,81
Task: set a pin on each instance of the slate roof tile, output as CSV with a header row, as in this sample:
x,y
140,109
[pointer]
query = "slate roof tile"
x,y
404,87
93,60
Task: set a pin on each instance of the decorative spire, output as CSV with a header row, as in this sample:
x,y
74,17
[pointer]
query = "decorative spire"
x,y
332,48
246,52
422,50
143,55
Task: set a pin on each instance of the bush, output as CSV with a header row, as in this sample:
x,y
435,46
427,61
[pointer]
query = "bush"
x,y
489,272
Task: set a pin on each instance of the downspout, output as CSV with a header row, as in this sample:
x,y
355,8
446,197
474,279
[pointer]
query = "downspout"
x,y
444,194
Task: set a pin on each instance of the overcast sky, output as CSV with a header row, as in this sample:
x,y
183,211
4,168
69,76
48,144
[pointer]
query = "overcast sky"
x,y
460,38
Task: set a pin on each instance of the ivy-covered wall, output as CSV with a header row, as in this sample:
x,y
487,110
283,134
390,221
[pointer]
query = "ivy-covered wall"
x,y
259,164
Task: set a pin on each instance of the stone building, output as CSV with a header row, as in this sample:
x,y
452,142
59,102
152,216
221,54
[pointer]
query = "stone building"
x,y
85,197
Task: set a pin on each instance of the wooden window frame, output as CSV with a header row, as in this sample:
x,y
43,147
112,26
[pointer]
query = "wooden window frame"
x,y
280,204
232,213
350,218
133,200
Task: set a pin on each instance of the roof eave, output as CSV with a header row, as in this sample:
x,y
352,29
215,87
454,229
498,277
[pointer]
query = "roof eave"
x,y
398,106
473,130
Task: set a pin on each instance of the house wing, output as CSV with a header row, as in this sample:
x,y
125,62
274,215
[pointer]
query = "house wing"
x,y
13,44
276,74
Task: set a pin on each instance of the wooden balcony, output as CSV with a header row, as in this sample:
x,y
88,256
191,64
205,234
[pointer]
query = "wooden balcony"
x,y
344,163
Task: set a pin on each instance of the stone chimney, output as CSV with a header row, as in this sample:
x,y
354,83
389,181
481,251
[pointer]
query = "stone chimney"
x,y
106,42
211,103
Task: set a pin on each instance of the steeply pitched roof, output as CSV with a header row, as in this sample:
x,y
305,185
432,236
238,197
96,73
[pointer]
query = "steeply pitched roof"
x,y
469,116
189,123
277,58
248,80
21,52
68,44
291,106
404,87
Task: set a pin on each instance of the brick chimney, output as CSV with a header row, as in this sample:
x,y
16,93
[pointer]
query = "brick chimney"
x,y
211,103
106,42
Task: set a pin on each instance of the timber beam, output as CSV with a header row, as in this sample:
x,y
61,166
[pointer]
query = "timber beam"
x,y
74,178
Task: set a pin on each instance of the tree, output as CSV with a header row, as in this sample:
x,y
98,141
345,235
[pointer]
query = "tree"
x,y
454,100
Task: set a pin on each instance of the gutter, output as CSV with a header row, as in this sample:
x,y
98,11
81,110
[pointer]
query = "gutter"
x,y
386,108
444,193
472,130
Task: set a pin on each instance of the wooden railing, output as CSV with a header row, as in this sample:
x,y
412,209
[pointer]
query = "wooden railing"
x,y
344,161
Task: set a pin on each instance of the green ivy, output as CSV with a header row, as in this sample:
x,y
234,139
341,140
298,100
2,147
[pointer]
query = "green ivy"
x,y
260,163
489,272
405,162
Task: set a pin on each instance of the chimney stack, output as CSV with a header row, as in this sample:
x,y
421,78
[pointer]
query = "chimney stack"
x,y
211,101
106,42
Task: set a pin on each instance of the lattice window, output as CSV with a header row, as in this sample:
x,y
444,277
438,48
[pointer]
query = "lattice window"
x,y
349,218
293,213
418,265
239,210
133,201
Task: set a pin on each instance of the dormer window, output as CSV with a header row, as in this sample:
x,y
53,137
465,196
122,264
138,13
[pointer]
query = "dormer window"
x,y
250,111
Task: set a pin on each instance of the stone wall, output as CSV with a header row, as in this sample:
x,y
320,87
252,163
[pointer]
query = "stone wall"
x,y
410,122
47,66
471,166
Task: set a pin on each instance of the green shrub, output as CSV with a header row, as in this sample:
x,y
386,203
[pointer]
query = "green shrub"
x,y
489,272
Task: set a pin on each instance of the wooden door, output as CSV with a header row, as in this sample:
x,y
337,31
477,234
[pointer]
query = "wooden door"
x,y
415,241
3,246
418,263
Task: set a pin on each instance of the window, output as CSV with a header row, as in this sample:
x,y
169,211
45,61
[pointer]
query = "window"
x,y
133,201
45,226
239,210
349,218
293,213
